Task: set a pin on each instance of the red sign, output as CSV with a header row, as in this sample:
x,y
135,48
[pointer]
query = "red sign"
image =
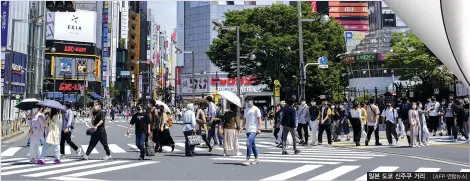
x,y
356,27
353,22
314,6
178,76
70,87
232,81
348,9
346,4
173,36
349,14
74,49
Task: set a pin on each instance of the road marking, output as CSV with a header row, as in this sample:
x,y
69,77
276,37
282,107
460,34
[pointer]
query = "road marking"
x,y
424,169
268,143
311,148
125,127
85,147
73,179
108,169
67,150
12,159
195,149
168,149
49,167
115,148
292,173
379,169
303,158
303,155
465,170
279,161
27,164
105,164
257,145
328,154
11,151
134,147
335,173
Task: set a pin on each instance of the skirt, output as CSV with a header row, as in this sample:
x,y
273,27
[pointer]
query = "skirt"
x,y
230,139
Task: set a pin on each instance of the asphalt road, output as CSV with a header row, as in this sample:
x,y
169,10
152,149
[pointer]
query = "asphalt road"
x,y
340,162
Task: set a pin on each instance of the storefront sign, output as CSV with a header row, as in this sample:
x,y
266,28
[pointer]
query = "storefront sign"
x,y
71,87
349,14
346,4
367,57
16,69
354,35
73,49
83,49
232,81
353,22
348,9
5,16
349,59
356,27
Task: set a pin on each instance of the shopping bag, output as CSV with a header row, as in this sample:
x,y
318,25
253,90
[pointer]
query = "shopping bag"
x,y
194,140
53,137
150,149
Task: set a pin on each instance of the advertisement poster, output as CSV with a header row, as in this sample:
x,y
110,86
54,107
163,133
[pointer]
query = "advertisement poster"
x,y
5,14
66,66
199,84
81,66
78,26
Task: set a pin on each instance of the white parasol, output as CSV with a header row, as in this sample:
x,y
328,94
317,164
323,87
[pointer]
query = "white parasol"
x,y
167,109
232,97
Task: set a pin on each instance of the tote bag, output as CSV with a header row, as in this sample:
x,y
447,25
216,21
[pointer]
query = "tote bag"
x,y
53,137
194,140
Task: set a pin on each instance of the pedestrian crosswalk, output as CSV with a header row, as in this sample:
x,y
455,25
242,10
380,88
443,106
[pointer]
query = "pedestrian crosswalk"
x,y
72,168
314,172
313,155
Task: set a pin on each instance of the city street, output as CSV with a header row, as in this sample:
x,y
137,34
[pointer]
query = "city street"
x,y
340,162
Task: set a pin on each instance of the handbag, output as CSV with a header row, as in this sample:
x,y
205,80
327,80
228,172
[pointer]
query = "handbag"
x,y
89,131
194,140
53,137
150,149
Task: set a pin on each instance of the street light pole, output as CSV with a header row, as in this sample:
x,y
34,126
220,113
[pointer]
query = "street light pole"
x,y
193,76
10,72
238,62
301,50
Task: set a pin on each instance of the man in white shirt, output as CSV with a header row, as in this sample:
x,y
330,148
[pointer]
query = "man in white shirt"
x,y
391,116
433,116
303,117
252,124
212,113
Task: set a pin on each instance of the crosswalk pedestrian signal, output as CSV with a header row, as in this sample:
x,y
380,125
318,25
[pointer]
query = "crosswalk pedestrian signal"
x,y
60,6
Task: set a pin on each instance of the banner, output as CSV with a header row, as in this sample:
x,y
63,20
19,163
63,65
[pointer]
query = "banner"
x,y
178,75
66,66
5,15
314,6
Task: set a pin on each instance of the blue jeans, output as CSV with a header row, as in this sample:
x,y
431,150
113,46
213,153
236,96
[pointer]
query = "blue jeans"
x,y
140,142
45,147
251,145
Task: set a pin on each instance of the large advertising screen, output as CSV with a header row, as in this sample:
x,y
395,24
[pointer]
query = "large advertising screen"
x,y
79,26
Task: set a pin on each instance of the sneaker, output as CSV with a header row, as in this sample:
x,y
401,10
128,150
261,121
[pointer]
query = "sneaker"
x,y
63,156
225,154
85,157
57,162
107,157
284,153
453,140
304,144
296,151
426,144
79,152
313,144
255,162
33,161
239,154
246,163
378,144
40,162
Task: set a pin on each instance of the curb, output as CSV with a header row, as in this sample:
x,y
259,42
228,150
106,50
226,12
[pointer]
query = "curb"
x,y
12,135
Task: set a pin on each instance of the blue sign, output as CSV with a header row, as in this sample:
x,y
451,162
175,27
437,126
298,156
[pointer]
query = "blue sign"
x,y
323,62
5,14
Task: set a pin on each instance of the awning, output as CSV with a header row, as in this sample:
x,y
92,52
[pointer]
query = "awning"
x,y
96,96
59,96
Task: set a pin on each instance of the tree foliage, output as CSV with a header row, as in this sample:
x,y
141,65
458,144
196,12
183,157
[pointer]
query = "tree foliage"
x,y
271,33
412,60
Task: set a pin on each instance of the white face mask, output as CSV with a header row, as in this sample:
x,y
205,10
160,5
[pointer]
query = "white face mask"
x,y
420,106
443,102
303,103
250,104
413,106
97,107
341,106
332,107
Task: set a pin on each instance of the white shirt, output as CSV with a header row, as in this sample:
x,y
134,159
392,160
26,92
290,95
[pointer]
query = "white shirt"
x,y
211,111
189,120
251,117
356,113
435,110
390,114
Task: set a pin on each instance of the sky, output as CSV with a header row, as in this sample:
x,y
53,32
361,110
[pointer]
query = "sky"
x,y
164,13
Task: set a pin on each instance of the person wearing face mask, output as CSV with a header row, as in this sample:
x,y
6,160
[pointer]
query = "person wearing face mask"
x,y
324,122
277,128
66,132
391,121
460,118
433,116
303,117
289,125
313,114
373,114
142,129
252,121
212,114
36,125
99,132
448,114
423,131
355,117
335,126
413,116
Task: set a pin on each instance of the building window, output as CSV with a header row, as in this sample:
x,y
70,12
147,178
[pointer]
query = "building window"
x,y
230,2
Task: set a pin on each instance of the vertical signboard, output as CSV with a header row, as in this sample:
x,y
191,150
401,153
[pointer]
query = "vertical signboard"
x,y
314,6
5,15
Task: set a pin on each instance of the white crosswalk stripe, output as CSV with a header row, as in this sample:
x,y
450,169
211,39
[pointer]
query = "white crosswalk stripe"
x,y
465,170
335,173
314,155
85,147
115,148
68,169
11,151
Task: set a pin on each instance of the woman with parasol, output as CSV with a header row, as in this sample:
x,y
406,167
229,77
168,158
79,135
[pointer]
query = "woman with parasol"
x,y
36,123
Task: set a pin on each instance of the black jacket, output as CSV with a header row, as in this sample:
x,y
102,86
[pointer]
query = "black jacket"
x,y
313,112
288,117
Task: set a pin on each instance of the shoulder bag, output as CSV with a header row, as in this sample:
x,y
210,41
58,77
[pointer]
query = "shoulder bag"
x,y
194,139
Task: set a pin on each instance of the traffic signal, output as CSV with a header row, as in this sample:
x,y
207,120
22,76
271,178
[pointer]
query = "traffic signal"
x,y
61,6
132,37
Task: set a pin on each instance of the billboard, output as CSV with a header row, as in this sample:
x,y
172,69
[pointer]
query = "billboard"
x,y
349,14
79,26
356,27
199,84
5,14
348,9
353,22
346,4
82,66
66,66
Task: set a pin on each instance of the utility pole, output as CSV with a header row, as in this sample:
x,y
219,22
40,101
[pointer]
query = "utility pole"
x,y
301,50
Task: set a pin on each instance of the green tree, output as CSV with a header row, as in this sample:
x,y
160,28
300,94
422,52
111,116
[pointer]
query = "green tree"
x,y
412,60
271,33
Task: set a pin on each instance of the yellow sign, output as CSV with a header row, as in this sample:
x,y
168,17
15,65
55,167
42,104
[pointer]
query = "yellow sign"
x,y
277,83
277,91
216,96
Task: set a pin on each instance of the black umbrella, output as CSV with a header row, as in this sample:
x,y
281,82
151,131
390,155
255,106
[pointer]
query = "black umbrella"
x,y
27,104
